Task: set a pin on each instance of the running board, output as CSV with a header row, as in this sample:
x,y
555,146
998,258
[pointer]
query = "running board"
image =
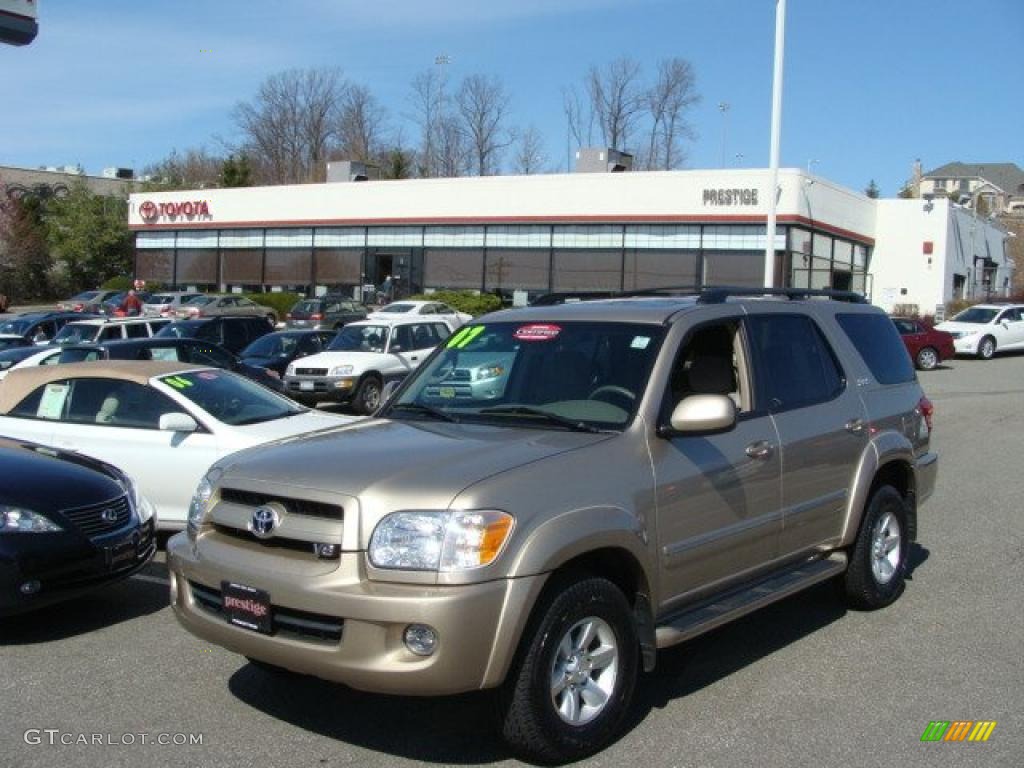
x,y
732,605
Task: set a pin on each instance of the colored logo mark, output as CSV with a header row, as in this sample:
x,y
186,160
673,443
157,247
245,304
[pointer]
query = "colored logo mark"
x,y
464,336
958,730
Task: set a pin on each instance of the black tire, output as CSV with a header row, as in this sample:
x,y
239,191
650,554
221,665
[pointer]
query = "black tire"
x,y
529,721
927,358
986,348
862,585
367,397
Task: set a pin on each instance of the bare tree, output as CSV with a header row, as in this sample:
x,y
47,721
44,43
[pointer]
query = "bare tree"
x,y
528,156
482,103
291,124
668,102
616,98
194,168
453,153
361,125
429,103
579,117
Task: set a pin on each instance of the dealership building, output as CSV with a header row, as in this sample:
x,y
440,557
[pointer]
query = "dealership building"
x,y
522,236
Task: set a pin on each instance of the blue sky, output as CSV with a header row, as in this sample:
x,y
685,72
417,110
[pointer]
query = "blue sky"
x,y
870,85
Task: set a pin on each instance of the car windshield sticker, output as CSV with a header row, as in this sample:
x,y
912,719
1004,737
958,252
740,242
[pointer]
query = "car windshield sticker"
x,y
165,353
537,332
464,336
208,375
51,404
640,342
178,382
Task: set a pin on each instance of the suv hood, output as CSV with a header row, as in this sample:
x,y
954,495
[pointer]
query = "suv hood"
x,y
951,325
391,465
338,357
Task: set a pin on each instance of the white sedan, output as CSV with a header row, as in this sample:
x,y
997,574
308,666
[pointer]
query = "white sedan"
x,y
433,310
163,423
27,357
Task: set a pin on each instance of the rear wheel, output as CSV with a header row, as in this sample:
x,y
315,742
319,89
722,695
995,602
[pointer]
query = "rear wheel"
x,y
573,680
927,358
367,397
987,348
878,561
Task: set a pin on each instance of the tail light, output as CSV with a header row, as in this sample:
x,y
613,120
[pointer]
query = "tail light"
x,y
78,307
316,316
165,312
927,410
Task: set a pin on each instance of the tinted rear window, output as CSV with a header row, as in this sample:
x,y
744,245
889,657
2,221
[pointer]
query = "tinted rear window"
x,y
876,339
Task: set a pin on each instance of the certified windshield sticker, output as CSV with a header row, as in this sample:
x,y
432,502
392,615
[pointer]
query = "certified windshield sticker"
x,y
640,342
178,382
208,375
51,404
537,332
464,336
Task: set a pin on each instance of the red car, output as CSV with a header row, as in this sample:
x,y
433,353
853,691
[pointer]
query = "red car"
x,y
927,346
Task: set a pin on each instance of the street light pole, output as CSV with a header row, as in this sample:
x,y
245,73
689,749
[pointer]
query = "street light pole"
x,y
773,195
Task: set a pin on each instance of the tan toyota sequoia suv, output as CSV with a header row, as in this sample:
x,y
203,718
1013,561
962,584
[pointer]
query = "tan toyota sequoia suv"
x,y
560,491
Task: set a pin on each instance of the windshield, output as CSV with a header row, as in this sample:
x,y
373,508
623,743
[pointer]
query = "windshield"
x,y
85,296
160,299
397,308
231,399
585,375
75,333
17,327
306,307
198,301
361,338
183,330
272,345
79,355
976,315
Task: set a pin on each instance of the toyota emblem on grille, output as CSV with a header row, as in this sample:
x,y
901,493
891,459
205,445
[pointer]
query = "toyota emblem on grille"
x,y
109,515
264,520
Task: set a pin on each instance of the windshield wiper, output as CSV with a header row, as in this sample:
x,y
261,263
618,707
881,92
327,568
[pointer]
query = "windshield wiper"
x,y
429,410
554,418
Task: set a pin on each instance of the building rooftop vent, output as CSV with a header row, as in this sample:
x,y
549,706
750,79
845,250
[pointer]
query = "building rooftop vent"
x,y
351,170
602,160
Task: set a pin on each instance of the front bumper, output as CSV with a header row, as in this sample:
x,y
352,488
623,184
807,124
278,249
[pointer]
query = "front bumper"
x,y
334,389
71,567
477,625
967,345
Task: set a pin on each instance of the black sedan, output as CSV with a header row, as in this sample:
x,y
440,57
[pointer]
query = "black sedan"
x,y
180,350
275,351
68,524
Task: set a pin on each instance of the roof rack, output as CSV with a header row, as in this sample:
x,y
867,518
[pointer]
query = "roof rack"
x,y
719,293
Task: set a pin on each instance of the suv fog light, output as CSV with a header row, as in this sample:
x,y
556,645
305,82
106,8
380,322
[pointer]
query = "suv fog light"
x,y
30,587
326,551
420,639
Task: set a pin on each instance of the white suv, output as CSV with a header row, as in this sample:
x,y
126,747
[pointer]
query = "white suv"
x,y
102,329
984,329
362,358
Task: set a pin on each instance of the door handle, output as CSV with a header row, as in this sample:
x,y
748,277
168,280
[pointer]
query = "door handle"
x,y
762,449
855,426
414,359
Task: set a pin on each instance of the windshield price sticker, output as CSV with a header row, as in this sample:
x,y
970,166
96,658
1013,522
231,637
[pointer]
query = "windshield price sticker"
x,y
178,382
208,375
640,342
464,336
537,332
51,404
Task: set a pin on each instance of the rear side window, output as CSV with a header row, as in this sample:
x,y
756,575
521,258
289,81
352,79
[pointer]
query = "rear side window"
x,y
876,339
796,366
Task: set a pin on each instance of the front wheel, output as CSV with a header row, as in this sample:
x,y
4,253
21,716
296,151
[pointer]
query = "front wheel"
x,y
927,358
367,398
878,561
571,686
987,348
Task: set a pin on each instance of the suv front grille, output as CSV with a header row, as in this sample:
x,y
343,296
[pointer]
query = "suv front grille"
x,y
310,371
99,519
301,624
294,506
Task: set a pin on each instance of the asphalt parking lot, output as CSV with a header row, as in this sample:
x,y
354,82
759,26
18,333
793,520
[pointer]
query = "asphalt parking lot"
x,y
803,682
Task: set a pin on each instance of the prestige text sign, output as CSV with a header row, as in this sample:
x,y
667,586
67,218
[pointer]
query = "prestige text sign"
x,y
730,197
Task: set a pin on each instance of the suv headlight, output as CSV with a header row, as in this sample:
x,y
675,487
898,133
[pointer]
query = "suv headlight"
x,y
488,372
20,520
200,503
440,540
290,370
342,370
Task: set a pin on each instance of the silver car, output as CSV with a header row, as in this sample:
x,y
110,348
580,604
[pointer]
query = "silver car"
x,y
635,473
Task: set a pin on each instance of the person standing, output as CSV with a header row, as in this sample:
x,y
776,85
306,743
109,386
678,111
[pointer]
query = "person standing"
x,y
131,305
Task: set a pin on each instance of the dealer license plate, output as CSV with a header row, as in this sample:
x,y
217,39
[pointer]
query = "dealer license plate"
x,y
246,606
306,386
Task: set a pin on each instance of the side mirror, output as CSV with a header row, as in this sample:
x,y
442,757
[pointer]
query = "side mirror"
x,y
1005,323
178,422
395,348
703,413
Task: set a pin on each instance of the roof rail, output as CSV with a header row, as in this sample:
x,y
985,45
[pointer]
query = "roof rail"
x,y
719,293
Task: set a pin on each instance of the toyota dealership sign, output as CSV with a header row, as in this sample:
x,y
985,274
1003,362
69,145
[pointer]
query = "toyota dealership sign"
x,y
188,210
